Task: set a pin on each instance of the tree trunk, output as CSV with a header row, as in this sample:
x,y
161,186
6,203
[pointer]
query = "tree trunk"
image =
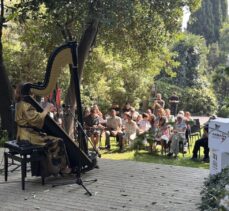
x,y
5,90
83,51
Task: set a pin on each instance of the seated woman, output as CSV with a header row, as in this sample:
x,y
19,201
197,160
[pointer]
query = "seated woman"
x,y
178,135
29,125
139,118
130,130
163,133
144,124
155,107
160,113
170,118
97,111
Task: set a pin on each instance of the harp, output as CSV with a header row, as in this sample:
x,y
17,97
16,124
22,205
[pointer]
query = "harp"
x,y
66,54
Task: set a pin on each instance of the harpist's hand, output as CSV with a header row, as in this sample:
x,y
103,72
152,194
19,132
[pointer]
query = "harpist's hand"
x,y
48,108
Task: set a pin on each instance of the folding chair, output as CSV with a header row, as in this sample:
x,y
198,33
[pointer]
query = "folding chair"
x,y
195,130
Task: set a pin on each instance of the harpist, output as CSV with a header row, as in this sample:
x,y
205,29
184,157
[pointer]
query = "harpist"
x,y
29,129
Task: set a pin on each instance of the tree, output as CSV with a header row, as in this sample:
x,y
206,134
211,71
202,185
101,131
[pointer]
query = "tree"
x,y
220,75
213,56
191,55
6,95
111,78
208,20
224,44
144,26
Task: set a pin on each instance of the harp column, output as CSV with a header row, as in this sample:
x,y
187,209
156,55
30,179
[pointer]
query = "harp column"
x,y
82,138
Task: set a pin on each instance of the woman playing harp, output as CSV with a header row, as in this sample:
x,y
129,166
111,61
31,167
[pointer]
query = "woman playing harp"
x,y
29,127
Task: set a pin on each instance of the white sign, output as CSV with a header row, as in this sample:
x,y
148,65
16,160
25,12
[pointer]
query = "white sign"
x,y
218,142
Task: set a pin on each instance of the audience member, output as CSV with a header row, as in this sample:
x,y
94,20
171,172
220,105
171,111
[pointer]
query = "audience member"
x,y
160,113
93,127
144,124
114,126
177,136
173,101
126,108
159,100
86,112
163,133
139,118
203,142
45,101
181,113
97,111
116,108
152,120
188,120
130,131
149,111
169,118
134,113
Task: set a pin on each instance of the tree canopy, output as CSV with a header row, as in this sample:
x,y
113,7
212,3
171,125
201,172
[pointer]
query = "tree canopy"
x,y
208,19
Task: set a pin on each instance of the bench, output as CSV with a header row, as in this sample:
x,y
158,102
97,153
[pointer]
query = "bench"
x,y
23,153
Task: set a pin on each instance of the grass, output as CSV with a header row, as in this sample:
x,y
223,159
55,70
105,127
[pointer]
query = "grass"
x,y
155,157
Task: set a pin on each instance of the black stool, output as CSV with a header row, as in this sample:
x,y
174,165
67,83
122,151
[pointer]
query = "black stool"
x,y
23,153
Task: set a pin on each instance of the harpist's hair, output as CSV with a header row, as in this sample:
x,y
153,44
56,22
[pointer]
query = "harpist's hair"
x,y
21,90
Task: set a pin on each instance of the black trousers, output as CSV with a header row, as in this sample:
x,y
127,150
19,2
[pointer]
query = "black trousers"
x,y
108,135
173,109
203,142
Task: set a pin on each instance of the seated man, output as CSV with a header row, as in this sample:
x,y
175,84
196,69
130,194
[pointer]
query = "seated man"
x,y
93,127
177,136
203,142
114,125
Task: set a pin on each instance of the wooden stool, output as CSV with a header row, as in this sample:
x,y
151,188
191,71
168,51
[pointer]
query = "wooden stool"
x,y
24,154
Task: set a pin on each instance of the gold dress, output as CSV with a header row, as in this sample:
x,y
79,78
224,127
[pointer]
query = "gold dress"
x,y
29,125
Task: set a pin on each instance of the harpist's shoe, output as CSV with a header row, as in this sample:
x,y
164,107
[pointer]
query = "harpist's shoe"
x,y
67,170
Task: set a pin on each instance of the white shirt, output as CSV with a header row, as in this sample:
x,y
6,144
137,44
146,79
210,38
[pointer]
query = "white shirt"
x,y
144,125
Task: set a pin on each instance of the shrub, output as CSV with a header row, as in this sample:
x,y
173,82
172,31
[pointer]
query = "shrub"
x,y
138,142
215,192
3,137
224,111
199,101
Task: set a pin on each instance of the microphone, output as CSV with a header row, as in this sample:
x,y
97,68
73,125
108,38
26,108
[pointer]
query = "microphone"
x,y
66,106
